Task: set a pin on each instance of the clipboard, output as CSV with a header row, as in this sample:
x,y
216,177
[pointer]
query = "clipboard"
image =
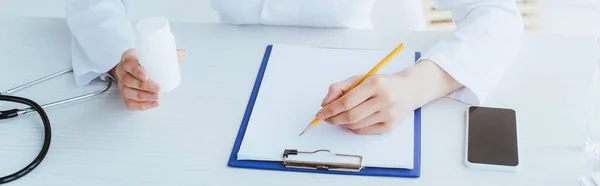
x,y
289,164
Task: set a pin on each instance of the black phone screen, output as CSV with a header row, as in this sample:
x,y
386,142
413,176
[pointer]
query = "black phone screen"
x,y
492,137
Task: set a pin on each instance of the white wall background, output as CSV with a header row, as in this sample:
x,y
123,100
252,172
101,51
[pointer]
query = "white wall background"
x,y
569,17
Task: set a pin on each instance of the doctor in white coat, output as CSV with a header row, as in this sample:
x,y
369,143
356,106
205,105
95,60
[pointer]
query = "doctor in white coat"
x,y
465,66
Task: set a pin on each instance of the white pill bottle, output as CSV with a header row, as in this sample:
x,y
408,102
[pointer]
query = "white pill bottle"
x,y
157,52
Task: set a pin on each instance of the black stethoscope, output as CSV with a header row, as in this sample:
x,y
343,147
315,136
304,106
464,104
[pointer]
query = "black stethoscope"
x,y
35,107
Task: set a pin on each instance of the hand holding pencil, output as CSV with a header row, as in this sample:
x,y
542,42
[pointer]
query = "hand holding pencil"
x,y
365,104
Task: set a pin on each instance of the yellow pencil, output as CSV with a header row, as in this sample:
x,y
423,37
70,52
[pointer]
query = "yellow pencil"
x,y
373,71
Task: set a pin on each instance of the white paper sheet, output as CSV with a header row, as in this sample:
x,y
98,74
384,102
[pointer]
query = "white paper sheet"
x,y
294,84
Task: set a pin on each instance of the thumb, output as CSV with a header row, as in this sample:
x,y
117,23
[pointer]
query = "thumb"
x,y
129,54
336,90
180,54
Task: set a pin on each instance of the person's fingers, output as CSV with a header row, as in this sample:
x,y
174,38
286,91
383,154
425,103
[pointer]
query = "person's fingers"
x,y
358,113
120,86
131,65
353,98
336,90
119,71
132,82
138,95
377,117
180,54
129,52
129,81
378,128
140,105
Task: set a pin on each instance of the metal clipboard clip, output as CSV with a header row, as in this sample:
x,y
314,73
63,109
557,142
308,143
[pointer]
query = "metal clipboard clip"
x,y
347,167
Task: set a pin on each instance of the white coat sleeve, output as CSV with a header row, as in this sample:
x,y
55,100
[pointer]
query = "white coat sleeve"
x,y
101,33
487,40
354,14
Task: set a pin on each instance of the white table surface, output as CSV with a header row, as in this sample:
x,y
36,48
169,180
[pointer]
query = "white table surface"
x,y
188,139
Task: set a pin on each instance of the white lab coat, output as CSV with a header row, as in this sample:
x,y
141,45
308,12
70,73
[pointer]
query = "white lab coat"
x,y
488,38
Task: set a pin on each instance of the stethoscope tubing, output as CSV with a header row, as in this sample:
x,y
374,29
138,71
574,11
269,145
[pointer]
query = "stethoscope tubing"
x,y
13,90
35,107
56,103
47,138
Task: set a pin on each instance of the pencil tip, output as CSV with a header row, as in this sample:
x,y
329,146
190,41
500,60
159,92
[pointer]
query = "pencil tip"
x,y
305,129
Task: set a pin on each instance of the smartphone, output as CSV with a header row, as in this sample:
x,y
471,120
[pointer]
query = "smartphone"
x,y
491,139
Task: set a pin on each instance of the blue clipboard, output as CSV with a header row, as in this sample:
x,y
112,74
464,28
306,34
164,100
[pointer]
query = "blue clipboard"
x,y
270,165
